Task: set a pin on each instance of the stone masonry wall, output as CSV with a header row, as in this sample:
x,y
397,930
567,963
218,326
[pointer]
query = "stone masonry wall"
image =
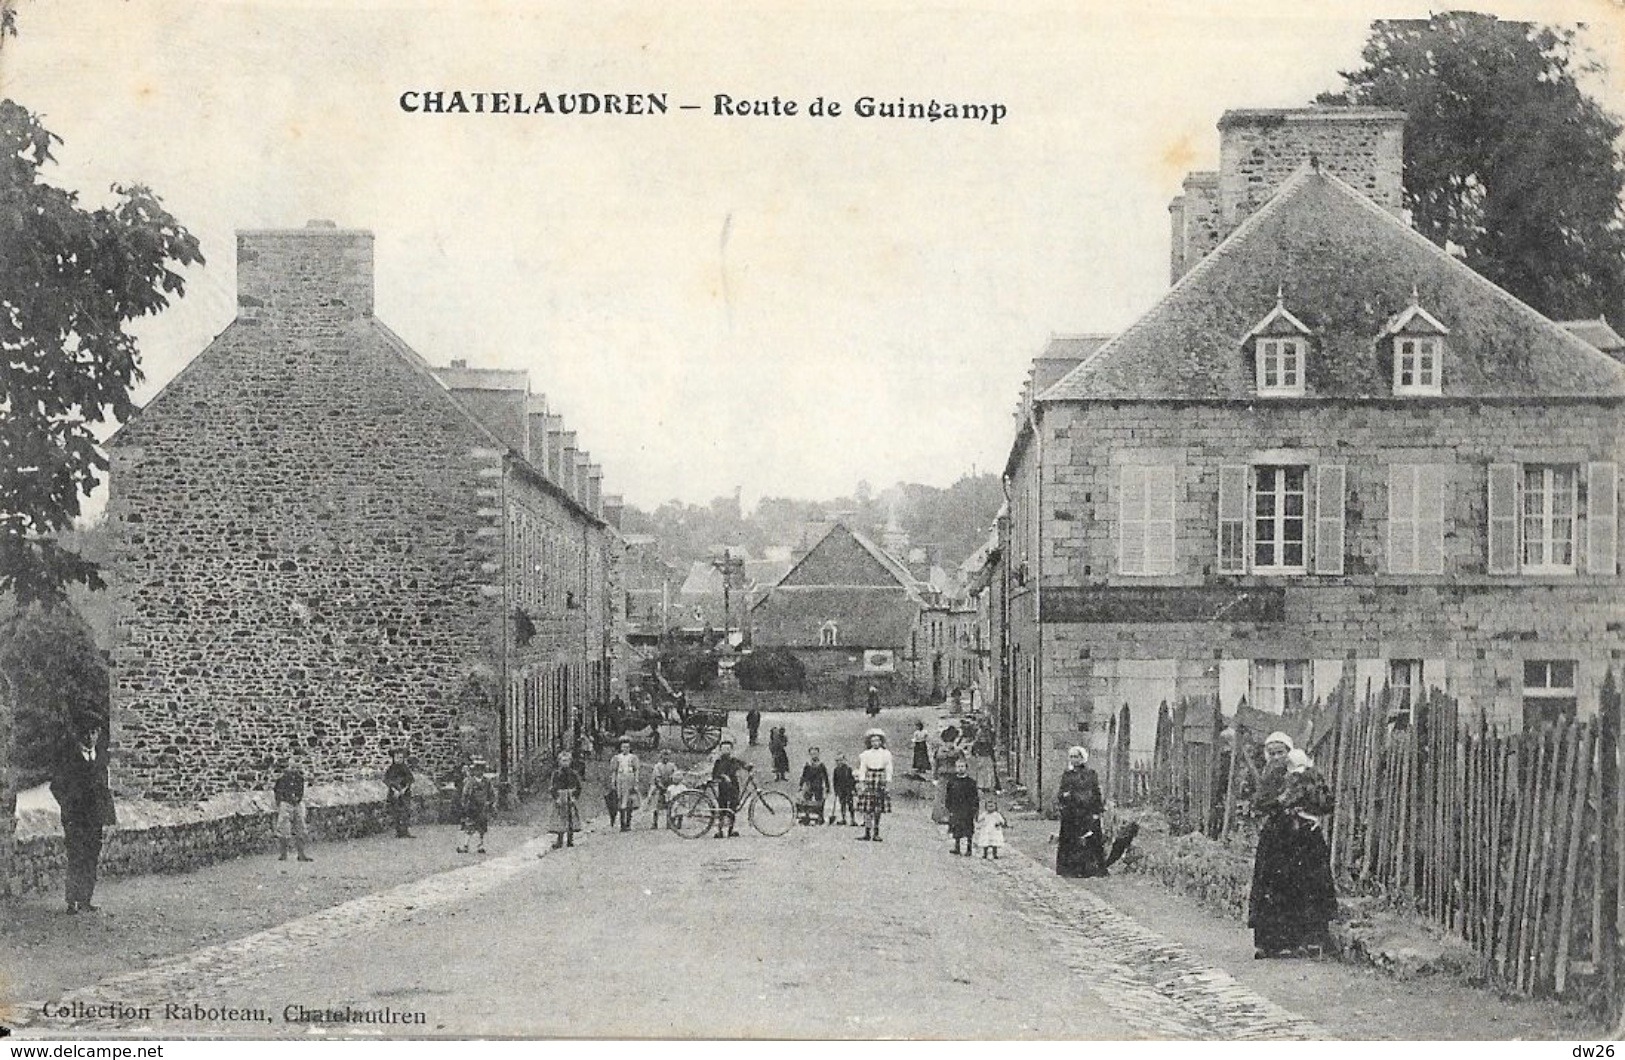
x,y
298,538
1259,150
1476,627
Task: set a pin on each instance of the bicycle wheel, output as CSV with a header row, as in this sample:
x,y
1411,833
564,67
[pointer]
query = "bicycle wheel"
x,y
772,813
693,813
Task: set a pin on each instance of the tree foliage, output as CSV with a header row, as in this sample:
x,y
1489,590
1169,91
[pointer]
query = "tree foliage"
x,y
773,669
59,684
1506,156
71,279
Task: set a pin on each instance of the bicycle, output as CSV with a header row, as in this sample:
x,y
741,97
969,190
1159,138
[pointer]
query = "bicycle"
x,y
695,812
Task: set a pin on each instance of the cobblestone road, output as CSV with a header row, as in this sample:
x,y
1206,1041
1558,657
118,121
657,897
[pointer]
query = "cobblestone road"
x,y
647,934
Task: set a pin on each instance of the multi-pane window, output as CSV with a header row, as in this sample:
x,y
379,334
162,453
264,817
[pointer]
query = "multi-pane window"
x,y
1280,366
1550,499
1278,518
1548,691
1280,686
1417,365
1404,689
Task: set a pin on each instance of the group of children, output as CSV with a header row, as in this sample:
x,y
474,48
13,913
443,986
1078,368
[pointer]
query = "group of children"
x,y
982,831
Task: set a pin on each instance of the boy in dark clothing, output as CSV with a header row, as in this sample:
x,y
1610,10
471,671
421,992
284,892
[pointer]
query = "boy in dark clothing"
x,y
814,788
398,778
962,799
753,724
289,791
845,785
726,775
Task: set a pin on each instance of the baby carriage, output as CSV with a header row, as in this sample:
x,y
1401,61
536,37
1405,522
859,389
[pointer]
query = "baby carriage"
x,y
809,806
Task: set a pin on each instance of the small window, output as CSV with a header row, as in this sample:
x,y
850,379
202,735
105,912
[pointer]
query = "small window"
x,y
1280,366
829,635
1405,690
1548,692
1418,367
1280,686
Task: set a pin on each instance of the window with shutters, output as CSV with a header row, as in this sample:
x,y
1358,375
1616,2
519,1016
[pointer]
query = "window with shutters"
x,y
1279,517
1280,686
1280,366
1550,502
1548,691
1418,365
1146,519
1416,504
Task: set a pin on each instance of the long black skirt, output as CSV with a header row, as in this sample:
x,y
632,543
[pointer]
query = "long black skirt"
x,y
1293,898
1080,850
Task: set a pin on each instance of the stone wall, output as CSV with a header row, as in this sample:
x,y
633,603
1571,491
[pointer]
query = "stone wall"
x,y
1472,629
185,841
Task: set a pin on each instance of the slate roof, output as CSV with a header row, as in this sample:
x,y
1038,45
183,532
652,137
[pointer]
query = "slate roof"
x,y
1345,267
1598,333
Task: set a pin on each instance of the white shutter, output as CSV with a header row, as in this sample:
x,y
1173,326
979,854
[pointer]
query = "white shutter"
x,y
1430,505
1602,518
1329,519
1233,519
1402,518
1161,490
1503,519
1233,682
1131,519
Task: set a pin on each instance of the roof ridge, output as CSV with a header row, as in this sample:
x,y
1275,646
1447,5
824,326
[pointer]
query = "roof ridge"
x,y
1479,278
1206,265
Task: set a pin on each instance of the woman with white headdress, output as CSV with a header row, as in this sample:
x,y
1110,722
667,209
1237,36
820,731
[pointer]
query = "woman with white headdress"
x,y
1080,850
1293,898
874,779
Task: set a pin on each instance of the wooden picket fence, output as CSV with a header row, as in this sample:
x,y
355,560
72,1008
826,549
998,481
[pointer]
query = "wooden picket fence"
x,y
1510,840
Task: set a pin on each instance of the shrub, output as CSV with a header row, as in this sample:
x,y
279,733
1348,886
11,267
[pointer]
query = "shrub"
x,y
770,670
59,682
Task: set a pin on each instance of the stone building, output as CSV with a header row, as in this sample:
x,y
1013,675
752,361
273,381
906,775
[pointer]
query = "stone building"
x,y
1331,451
848,610
325,545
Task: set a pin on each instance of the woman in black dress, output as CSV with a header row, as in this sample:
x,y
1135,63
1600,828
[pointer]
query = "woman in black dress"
x,y
778,742
1080,851
1293,897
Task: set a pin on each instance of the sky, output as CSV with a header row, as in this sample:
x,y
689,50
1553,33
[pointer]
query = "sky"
x,y
786,305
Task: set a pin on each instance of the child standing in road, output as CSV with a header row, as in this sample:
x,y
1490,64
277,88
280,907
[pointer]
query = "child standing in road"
x,y
479,797
845,784
565,788
814,788
990,830
960,799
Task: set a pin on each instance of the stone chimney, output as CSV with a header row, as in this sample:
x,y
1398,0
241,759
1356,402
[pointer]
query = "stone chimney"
x,y
614,509
568,455
555,448
537,414
595,490
495,397
320,272
1259,150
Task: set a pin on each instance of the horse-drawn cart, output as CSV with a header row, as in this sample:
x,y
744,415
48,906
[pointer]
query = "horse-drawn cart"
x,y
654,704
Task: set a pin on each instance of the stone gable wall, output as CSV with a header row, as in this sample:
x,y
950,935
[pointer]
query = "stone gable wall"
x,y
298,540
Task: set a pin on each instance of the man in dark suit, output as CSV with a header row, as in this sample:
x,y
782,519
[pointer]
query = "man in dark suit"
x,y
81,790
398,778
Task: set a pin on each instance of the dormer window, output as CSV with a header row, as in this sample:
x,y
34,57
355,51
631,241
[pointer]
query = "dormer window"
x,y
1280,348
1280,366
1415,339
1417,367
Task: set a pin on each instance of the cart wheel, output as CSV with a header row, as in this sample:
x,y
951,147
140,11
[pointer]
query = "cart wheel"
x,y
701,738
773,813
693,813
